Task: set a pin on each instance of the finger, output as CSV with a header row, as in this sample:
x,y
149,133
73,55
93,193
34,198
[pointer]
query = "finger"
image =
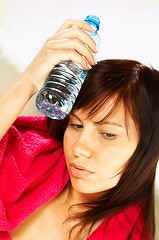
x,y
77,33
69,23
58,56
72,44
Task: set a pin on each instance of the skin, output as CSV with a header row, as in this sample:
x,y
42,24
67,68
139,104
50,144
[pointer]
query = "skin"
x,y
102,148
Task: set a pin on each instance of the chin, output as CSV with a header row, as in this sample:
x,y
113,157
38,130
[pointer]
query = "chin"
x,y
82,187
91,188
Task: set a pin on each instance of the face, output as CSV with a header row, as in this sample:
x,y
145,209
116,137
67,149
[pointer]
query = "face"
x,y
95,151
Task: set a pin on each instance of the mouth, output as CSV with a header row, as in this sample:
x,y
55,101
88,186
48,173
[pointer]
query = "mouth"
x,y
79,171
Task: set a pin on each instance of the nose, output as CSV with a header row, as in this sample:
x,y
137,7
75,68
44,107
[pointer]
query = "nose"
x,y
83,146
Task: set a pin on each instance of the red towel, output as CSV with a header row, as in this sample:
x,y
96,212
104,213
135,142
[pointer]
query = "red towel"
x,y
32,170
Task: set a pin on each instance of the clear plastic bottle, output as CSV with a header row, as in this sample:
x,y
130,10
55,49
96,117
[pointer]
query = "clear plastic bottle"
x,y
61,88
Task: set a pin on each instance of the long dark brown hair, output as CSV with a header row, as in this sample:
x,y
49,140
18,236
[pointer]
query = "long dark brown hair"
x,y
138,87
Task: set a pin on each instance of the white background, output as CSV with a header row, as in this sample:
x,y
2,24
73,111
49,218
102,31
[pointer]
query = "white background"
x,y
129,29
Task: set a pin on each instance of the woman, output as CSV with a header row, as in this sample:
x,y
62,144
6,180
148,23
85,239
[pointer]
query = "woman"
x,y
102,186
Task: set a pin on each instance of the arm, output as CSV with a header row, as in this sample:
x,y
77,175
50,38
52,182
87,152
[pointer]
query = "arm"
x,y
68,43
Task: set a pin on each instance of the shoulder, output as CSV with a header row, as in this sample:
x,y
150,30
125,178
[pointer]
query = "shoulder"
x,y
127,224
32,170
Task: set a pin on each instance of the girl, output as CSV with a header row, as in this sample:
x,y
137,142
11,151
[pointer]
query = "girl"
x,y
91,175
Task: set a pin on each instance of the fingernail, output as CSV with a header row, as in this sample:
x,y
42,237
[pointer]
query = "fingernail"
x,y
95,62
93,27
89,65
97,49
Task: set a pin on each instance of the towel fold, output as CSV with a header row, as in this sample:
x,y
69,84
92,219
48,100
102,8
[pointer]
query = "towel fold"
x,y
32,170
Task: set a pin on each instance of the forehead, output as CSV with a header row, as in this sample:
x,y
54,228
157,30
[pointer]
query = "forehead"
x,y
116,117
110,109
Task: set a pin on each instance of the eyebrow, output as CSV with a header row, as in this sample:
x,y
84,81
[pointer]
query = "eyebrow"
x,y
105,122
109,123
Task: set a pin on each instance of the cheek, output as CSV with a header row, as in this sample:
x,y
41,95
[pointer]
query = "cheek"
x,y
112,162
111,170
67,144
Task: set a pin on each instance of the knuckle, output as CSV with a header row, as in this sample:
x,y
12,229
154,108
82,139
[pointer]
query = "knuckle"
x,y
73,52
48,43
76,42
48,39
68,21
75,29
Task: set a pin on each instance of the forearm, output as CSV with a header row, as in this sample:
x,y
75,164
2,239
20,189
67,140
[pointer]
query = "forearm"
x,y
12,102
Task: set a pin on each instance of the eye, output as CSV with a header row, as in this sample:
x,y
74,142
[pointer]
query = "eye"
x,y
108,135
75,126
74,123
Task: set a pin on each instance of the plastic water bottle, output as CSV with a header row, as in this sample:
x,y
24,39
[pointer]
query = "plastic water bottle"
x,y
61,88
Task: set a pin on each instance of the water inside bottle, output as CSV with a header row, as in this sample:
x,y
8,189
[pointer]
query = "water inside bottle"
x,y
59,93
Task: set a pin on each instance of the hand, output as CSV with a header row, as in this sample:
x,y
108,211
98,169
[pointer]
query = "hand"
x,y
70,42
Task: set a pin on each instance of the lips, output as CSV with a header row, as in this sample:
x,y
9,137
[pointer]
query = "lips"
x,y
79,171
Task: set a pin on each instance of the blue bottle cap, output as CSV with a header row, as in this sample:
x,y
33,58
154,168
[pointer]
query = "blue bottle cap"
x,y
93,20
